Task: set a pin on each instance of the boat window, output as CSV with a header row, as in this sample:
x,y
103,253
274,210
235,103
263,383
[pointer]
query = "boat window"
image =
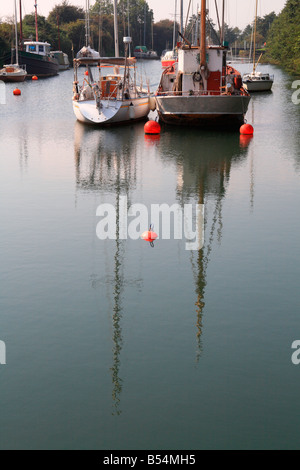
x,y
31,48
41,48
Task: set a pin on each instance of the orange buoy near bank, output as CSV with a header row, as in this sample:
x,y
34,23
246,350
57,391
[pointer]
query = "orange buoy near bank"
x,y
17,92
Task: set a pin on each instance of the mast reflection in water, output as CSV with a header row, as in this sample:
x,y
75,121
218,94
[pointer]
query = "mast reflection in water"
x,y
107,163
203,175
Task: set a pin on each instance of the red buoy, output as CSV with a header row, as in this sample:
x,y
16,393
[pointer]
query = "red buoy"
x,y
152,127
149,235
34,77
246,129
17,91
86,72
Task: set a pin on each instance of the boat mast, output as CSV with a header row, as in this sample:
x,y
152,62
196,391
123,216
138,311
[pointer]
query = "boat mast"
x,y
254,38
21,29
223,23
181,16
116,30
128,12
174,26
145,24
16,34
87,23
203,35
36,23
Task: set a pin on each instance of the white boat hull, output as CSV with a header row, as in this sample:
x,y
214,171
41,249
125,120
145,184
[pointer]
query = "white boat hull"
x,y
110,111
202,110
258,85
12,73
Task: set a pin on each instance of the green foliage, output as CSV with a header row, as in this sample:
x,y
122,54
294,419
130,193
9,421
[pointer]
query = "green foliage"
x,y
263,26
163,35
46,31
283,42
140,19
75,33
66,22
7,38
231,35
65,13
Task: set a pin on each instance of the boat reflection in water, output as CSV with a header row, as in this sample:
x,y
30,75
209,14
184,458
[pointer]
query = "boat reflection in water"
x,y
109,162
105,162
203,175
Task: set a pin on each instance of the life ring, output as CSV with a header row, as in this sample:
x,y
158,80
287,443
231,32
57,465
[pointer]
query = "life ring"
x,y
197,77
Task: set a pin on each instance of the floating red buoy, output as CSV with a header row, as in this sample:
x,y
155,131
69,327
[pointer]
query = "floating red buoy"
x,y
152,127
17,91
246,129
86,72
149,235
34,77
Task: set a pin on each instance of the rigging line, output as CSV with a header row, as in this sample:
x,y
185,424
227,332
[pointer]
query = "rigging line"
x,y
187,16
219,24
214,31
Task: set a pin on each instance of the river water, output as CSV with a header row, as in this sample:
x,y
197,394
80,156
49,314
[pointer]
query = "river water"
x,y
115,344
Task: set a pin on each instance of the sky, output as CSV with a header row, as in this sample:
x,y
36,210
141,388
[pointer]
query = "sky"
x,y
237,13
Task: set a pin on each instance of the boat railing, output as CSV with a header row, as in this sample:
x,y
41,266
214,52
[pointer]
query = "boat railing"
x,y
198,93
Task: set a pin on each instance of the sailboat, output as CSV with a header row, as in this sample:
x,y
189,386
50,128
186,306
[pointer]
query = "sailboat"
x,y
142,52
87,50
201,89
14,72
35,55
257,81
113,98
169,57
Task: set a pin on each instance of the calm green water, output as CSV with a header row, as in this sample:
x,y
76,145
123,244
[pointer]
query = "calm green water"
x,y
116,345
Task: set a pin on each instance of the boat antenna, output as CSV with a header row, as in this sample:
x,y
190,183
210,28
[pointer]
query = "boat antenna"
x,y
36,23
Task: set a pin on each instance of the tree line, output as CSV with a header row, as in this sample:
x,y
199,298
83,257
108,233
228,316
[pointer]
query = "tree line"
x,y
284,38
64,29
